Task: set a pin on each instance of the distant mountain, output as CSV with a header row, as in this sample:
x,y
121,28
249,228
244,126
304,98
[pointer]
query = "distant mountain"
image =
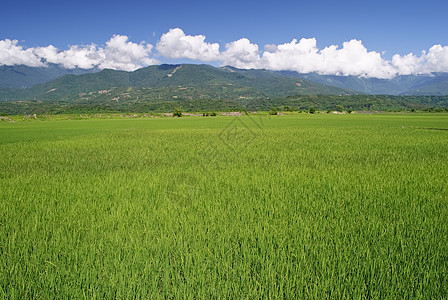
x,y
167,82
432,84
188,81
438,85
20,76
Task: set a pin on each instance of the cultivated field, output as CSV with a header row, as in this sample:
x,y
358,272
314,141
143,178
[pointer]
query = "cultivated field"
x,y
299,206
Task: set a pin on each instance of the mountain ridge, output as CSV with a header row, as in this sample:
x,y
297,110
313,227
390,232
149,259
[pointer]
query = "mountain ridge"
x,y
21,76
399,85
239,83
25,78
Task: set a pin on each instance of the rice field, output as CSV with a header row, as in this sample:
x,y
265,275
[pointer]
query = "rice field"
x,y
292,206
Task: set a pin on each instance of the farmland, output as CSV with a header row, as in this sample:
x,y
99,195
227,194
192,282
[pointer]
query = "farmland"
x,y
290,206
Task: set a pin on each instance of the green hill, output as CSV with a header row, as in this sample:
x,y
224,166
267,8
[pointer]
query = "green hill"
x,y
269,83
438,86
20,76
427,84
165,82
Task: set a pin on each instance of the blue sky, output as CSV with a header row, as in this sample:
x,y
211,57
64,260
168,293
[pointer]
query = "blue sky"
x,y
385,27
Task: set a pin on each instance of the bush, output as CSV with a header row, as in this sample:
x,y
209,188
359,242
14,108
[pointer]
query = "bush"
x,y
177,112
312,110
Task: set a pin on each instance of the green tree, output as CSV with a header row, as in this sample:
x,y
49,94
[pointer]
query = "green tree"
x,y
177,112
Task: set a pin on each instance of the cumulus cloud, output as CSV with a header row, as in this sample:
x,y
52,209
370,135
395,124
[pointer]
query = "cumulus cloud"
x,y
304,56
118,53
435,60
84,57
175,44
13,54
270,47
296,56
121,54
241,54
407,64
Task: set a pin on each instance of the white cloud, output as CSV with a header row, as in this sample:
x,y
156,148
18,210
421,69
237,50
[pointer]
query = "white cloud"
x,y
241,54
12,54
84,57
121,54
303,56
295,56
435,60
118,53
354,59
270,48
175,44
407,64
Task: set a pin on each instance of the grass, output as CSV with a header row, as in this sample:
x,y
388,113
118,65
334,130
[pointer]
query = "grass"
x,y
300,206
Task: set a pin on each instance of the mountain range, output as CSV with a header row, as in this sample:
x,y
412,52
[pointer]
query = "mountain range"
x,y
166,82
425,84
199,82
20,76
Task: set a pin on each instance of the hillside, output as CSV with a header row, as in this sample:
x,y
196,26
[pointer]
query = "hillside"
x,y
436,86
20,76
269,83
432,84
139,101
158,82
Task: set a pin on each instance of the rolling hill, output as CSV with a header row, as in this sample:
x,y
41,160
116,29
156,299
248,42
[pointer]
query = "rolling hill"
x,y
20,76
167,82
430,84
206,88
437,85
268,82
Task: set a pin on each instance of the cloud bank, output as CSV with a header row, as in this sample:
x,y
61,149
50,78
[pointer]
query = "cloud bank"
x,y
175,44
304,56
13,54
118,53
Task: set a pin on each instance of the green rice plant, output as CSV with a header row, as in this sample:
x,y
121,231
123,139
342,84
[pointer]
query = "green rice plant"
x,y
297,206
